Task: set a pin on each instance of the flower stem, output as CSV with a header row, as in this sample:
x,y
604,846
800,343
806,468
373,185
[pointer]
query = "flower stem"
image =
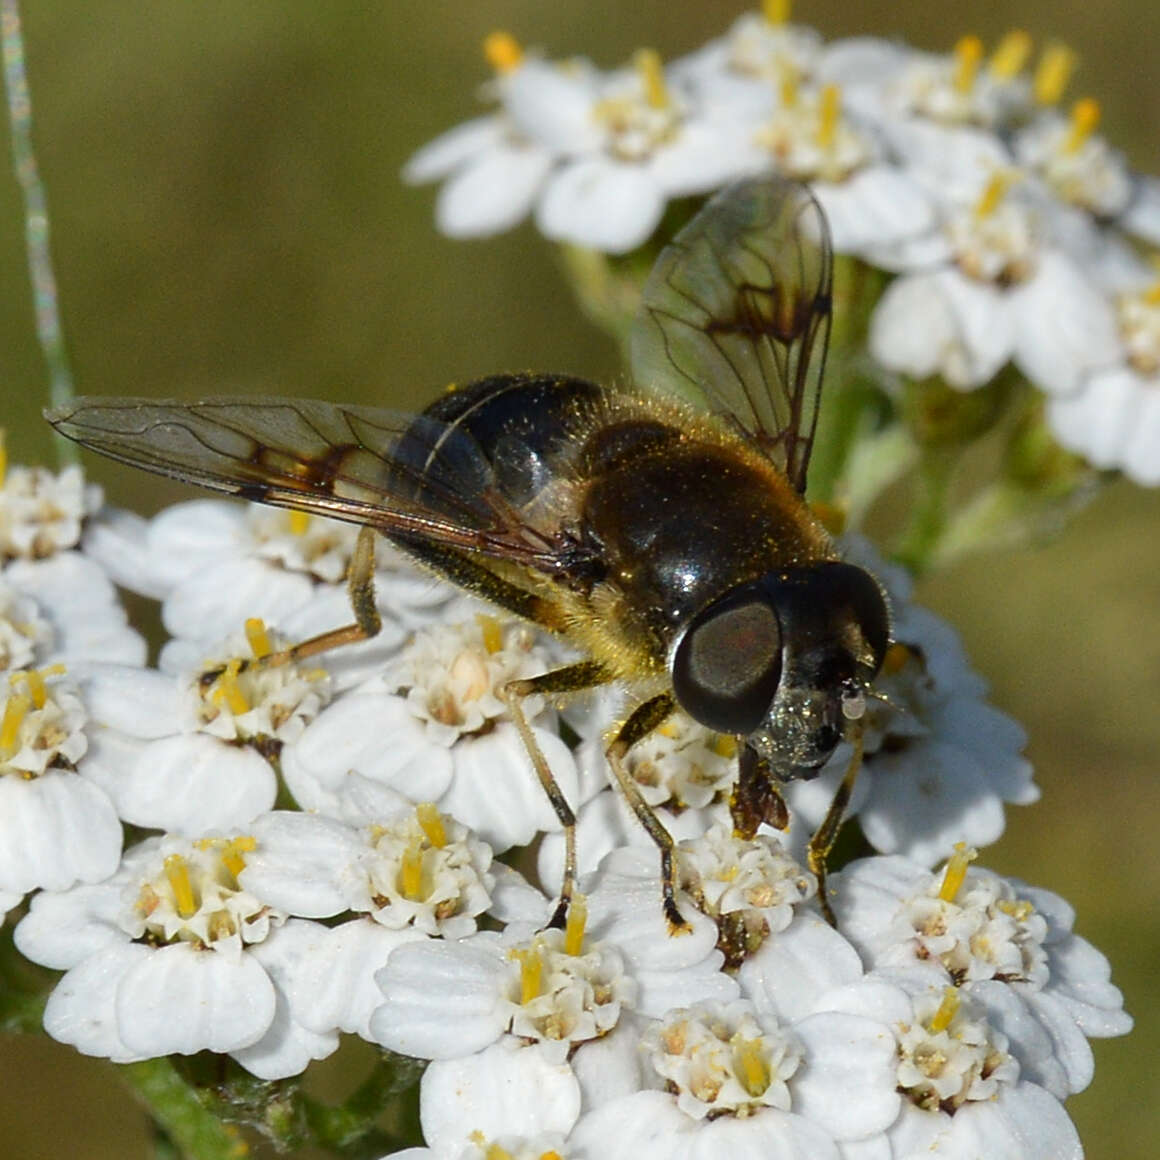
x,y
179,1112
36,221
918,545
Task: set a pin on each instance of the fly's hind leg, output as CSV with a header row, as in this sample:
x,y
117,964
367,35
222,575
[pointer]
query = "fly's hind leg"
x,y
361,590
644,719
571,679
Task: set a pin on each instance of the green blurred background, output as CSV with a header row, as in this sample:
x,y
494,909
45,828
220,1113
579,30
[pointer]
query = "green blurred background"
x,y
227,216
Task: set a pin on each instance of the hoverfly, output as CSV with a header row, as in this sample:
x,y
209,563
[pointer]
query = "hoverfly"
x,y
662,529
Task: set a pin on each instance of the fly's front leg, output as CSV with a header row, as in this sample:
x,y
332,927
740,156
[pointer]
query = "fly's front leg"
x,y
645,718
826,834
571,679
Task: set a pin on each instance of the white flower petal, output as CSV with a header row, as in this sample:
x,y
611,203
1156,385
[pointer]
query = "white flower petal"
x,y
442,999
493,192
1065,326
452,149
81,1011
602,204
62,930
55,830
181,1000
508,1089
877,206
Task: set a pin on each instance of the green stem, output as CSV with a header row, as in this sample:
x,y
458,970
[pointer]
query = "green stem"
x,y
36,221
918,545
179,1113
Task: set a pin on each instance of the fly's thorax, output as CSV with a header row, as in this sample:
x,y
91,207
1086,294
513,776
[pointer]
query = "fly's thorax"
x,y
679,519
785,661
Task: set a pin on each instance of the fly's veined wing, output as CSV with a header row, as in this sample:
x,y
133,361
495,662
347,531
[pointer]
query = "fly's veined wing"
x,y
735,315
404,474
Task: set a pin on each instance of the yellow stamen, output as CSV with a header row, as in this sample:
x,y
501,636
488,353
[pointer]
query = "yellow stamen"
x,y
829,110
15,711
724,745
496,1152
258,637
1008,60
750,1066
226,690
431,823
955,873
1085,117
574,927
895,660
787,85
299,523
492,632
531,973
1053,73
968,55
1018,908
776,12
33,681
647,62
947,1010
411,873
1152,294
177,872
993,195
3,458
233,854
552,1155
502,51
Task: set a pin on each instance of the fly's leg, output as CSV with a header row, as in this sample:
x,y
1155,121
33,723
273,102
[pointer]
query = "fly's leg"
x,y
755,798
571,679
826,834
360,587
644,719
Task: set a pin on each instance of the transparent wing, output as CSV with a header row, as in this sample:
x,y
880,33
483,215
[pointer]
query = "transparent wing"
x,y
406,475
735,315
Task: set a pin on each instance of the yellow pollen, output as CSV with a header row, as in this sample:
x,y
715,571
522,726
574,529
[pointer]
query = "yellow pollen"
x,y
503,53
1152,294
1053,72
574,927
776,12
531,973
788,86
177,872
750,1066
258,637
947,1010
552,1155
956,872
299,523
828,112
992,196
226,690
496,1152
15,711
233,854
647,62
1008,59
724,745
670,729
492,632
411,873
895,660
968,54
431,823
1085,117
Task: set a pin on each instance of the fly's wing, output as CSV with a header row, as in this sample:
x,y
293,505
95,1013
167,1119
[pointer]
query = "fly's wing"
x,y
409,476
735,315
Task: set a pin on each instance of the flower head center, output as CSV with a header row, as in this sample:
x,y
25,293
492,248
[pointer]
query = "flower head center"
x,y
41,723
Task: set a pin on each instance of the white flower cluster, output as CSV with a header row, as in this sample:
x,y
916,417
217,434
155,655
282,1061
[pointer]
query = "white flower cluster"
x,y
1013,228
949,1013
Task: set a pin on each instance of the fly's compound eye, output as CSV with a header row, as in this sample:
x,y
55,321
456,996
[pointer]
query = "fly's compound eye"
x,y
727,665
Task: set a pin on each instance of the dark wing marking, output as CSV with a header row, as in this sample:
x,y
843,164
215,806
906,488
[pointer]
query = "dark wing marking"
x,y
406,475
735,315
